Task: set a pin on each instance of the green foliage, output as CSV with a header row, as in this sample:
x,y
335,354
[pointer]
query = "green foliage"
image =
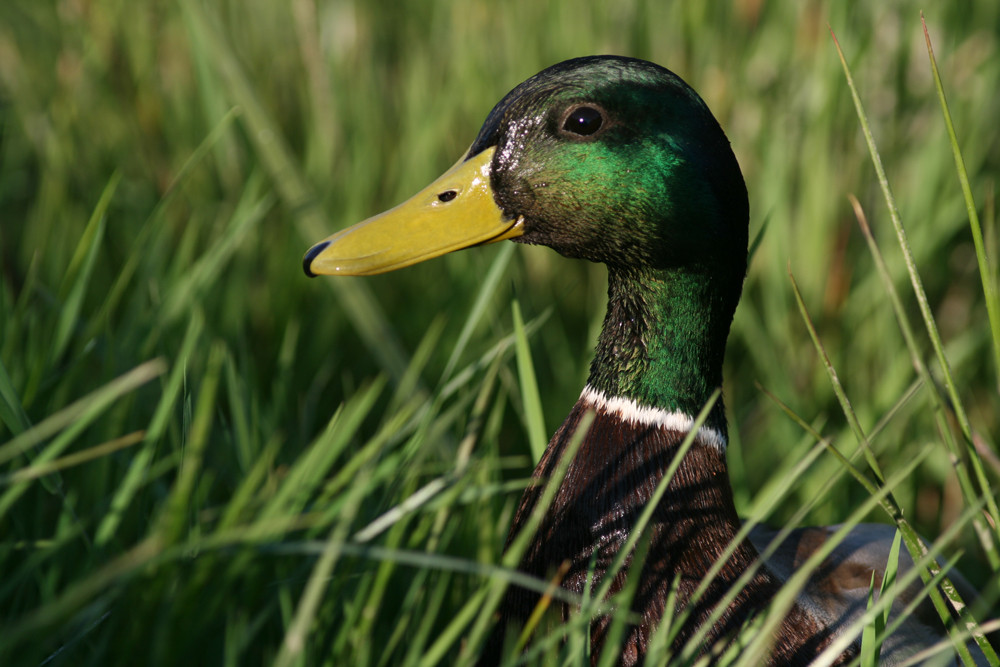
x,y
208,457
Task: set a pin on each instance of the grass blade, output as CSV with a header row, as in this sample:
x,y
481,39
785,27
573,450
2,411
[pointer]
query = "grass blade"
x,y
985,271
11,411
139,467
838,388
78,273
533,421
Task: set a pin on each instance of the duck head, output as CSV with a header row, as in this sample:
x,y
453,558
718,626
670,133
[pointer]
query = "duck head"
x,y
610,159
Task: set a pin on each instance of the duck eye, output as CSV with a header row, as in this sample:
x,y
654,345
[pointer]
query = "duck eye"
x,y
584,121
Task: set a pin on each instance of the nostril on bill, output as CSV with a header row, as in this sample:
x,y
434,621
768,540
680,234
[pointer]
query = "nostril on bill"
x,y
447,196
311,255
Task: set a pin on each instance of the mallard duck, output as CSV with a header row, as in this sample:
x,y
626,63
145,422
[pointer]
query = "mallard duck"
x,y
618,161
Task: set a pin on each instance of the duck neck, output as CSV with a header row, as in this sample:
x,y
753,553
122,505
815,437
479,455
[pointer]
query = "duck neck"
x,y
664,339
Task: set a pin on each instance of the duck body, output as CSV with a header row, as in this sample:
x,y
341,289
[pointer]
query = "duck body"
x,y
607,486
618,161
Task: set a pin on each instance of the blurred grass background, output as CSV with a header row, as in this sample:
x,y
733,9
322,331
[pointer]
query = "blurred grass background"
x,y
163,167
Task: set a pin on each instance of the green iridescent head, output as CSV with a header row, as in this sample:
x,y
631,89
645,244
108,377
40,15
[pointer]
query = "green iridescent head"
x,y
617,160
606,158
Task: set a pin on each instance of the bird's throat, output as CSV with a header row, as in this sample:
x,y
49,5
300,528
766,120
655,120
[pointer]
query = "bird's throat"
x,y
664,339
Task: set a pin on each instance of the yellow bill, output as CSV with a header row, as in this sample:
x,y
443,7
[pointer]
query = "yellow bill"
x,y
454,212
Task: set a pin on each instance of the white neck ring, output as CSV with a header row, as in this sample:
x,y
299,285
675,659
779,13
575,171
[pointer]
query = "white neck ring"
x,y
634,413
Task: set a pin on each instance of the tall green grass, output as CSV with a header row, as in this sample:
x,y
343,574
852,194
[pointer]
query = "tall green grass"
x,y
207,457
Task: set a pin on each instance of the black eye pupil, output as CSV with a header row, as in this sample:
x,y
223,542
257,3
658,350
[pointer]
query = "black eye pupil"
x,y
583,121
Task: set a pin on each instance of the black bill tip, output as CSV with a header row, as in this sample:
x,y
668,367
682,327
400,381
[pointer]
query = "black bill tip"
x,y
311,255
